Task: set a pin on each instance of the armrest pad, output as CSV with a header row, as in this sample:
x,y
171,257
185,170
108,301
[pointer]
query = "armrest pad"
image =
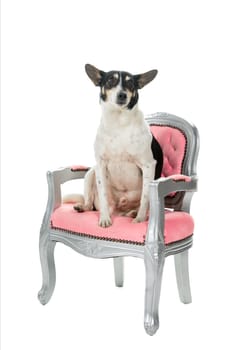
x,y
180,177
174,183
79,168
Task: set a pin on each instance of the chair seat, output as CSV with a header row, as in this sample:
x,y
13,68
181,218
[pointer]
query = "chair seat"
x,y
178,225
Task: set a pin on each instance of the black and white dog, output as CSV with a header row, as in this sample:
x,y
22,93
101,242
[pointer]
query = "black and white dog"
x,y
127,156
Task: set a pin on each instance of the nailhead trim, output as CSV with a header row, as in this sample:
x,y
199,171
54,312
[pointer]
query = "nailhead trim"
x,y
98,237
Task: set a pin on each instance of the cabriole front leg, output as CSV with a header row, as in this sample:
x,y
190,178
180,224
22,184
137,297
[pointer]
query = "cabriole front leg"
x,y
48,269
154,269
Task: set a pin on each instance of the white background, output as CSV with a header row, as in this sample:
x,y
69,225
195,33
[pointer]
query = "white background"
x,y
50,112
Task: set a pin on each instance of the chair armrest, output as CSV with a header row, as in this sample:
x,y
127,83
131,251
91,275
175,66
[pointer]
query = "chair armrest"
x,y
55,179
158,190
58,177
174,183
62,175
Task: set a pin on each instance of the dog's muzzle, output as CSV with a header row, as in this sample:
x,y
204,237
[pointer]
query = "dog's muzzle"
x,y
121,98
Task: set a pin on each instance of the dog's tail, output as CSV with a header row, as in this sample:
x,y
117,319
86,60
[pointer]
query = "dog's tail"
x,y
89,192
77,200
73,198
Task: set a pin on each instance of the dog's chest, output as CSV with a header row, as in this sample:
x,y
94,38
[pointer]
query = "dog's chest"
x,y
119,150
119,145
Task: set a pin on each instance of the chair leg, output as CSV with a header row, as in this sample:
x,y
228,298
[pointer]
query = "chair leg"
x,y
182,277
48,269
154,270
119,271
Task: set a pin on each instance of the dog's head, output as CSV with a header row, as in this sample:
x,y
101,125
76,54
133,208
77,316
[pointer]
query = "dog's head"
x,y
119,88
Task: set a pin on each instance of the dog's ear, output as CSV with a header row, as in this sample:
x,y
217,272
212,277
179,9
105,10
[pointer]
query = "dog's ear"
x,y
94,74
145,78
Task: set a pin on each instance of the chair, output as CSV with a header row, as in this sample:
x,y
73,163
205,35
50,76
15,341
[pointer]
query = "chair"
x,y
167,232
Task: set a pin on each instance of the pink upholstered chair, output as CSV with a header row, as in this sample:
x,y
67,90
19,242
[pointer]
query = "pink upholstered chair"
x,y
169,229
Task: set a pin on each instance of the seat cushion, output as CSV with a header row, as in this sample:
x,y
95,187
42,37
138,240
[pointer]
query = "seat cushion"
x,y
178,225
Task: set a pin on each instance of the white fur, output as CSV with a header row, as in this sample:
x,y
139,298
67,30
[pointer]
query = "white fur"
x,y
119,183
124,164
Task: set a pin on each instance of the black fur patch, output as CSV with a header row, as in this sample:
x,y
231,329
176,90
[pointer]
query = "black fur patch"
x,y
158,156
129,83
133,101
110,79
108,82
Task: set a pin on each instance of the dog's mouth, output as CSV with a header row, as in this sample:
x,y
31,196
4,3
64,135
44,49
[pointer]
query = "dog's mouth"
x,y
121,104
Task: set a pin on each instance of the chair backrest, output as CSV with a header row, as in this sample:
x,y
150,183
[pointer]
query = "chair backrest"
x,y
179,141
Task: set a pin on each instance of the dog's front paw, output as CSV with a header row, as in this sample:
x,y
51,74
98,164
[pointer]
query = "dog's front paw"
x,y
138,219
105,221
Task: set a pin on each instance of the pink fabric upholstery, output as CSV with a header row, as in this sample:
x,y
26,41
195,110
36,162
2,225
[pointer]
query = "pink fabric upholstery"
x,y
180,177
173,144
178,225
79,167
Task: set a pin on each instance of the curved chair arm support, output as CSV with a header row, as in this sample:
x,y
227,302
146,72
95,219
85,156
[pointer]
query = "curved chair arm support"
x,y
159,189
55,179
58,177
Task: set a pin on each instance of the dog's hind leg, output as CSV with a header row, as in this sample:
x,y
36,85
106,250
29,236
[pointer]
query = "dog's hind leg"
x,y
132,213
79,205
89,189
86,202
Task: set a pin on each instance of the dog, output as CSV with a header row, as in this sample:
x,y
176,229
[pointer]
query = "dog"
x,y
127,155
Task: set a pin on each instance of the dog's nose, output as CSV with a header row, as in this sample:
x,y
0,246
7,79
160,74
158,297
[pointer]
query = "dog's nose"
x,y
121,97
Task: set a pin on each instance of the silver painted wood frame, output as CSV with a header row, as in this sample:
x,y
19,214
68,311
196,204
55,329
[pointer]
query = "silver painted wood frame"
x,y
153,252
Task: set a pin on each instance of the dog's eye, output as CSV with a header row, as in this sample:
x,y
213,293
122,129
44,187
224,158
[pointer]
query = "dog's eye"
x,y
129,85
111,82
